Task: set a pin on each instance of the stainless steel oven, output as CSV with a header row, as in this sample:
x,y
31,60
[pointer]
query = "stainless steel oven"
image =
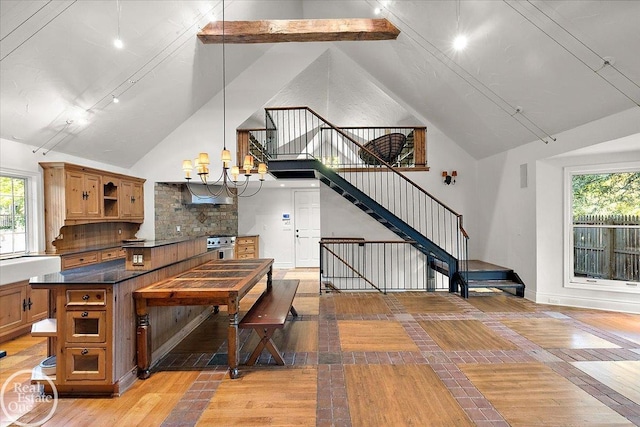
x,y
225,245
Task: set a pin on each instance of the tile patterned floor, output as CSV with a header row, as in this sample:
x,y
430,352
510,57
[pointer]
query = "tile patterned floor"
x,y
333,355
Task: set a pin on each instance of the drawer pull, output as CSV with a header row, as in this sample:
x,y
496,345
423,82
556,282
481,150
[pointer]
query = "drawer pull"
x,y
84,352
85,297
85,314
81,259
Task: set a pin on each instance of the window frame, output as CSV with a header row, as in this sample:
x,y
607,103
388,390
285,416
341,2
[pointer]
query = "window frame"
x,y
32,202
577,282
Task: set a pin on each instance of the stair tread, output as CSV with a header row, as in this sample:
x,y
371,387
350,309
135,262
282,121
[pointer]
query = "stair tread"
x,y
493,283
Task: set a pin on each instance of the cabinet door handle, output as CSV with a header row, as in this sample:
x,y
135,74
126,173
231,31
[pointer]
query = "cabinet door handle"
x,y
30,303
85,297
84,314
24,305
84,352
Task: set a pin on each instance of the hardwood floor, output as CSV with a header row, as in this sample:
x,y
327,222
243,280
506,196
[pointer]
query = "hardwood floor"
x,y
372,360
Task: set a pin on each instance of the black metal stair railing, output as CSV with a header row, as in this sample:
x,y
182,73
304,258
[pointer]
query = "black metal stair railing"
x,y
358,264
299,133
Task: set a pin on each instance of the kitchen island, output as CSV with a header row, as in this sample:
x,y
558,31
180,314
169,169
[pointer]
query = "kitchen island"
x,y
92,324
219,282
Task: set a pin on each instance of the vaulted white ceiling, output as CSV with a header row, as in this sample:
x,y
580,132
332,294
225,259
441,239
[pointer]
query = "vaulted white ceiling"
x,y
58,68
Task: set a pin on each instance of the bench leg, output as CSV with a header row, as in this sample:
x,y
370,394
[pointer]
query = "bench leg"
x,y
294,313
266,342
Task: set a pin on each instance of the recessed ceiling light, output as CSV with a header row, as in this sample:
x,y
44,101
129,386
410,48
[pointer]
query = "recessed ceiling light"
x,y
118,43
115,99
281,185
460,42
377,10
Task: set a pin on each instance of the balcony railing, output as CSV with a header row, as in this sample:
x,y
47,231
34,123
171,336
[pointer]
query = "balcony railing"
x,y
365,265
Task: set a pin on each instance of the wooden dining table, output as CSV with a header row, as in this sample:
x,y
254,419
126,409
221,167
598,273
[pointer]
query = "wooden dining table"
x,y
215,283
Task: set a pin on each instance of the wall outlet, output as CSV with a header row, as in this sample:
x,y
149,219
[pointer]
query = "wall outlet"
x,y
119,231
177,228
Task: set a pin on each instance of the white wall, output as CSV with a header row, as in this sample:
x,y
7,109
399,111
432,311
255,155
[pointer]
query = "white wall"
x,y
522,228
262,215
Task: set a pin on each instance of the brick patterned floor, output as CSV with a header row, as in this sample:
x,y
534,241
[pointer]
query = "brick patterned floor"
x,y
332,403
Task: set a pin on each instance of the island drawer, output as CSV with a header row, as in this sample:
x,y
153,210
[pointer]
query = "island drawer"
x,y
86,297
86,326
85,363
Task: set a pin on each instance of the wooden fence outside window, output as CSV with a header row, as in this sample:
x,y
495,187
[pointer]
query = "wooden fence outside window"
x,y
607,247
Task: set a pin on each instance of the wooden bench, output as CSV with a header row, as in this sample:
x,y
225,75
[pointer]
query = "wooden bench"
x,y
269,313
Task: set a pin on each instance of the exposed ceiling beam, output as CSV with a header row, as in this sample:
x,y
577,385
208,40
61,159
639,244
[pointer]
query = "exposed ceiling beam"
x,y
298,30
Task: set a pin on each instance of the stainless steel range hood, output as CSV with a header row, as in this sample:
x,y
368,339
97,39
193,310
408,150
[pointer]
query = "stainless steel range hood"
x,y
198,194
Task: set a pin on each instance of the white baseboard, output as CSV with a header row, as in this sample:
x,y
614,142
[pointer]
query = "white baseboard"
x,y
283,265
610,303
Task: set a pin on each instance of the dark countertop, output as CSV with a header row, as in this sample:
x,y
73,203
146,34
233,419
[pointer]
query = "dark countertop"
x,y
105,273
109,273
158,243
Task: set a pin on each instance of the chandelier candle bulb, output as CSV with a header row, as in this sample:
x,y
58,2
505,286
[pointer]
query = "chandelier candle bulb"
x,y
203,158
187,167
262,170
248,164
226,158
235,171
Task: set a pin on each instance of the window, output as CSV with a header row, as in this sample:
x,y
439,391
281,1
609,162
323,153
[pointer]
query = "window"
x,y
13,215
603,222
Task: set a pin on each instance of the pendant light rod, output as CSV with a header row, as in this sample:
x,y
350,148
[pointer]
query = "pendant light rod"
x,y
224,87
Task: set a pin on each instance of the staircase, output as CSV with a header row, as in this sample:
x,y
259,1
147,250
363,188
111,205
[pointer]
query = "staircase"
x,y
313,168
301,144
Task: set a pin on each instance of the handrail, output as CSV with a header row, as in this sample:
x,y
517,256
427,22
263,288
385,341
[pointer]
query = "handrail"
x,y
350,267
382,162
361,240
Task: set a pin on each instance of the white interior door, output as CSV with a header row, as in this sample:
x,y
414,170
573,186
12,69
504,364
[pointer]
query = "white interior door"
x,y
307,228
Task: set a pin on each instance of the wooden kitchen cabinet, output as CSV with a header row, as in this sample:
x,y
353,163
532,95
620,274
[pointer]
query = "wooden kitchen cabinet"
x,y
110,199
247,247
20,307
81,202
131,200
82,195
85,348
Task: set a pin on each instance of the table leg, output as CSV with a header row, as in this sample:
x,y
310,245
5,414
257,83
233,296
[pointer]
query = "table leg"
x,y
269,277
143,339
233,351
